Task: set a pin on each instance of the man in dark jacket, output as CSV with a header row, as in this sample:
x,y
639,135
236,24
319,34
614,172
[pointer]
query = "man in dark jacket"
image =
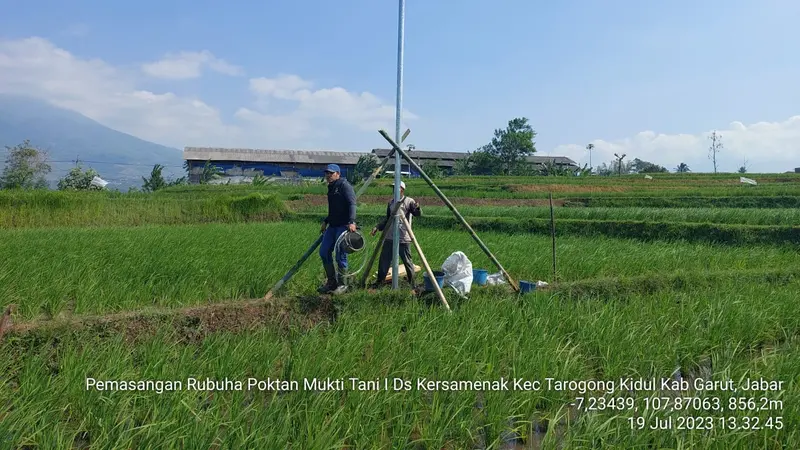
x,y
341,217
408,207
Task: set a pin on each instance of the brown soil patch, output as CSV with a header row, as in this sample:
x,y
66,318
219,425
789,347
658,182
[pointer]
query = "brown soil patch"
x,y
566,188
321,200
192,324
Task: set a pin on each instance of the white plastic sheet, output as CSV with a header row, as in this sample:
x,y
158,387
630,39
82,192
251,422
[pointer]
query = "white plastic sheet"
x,y
748,181
495,278
99,182
457,270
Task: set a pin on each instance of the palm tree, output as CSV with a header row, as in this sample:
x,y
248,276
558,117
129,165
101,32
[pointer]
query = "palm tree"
x,y
590,147
682,168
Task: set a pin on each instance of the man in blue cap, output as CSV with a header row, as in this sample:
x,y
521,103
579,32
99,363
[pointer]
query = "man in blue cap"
x,y
341,217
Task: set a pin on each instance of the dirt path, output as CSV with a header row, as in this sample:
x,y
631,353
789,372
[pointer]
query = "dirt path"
x,y
191,323
322,200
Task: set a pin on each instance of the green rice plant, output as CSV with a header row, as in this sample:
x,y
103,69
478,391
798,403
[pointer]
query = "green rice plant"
x,y
775,216
720,234
537,337
58,210
93,270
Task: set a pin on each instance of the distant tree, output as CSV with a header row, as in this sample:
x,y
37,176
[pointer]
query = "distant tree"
x,y
605,169
551,169
432,169
259,180
462,166
367,163
78,180
483,162
615,167
590,147
716,146
511,146
156,180
210,172
682,168
743,168
26,167
641,166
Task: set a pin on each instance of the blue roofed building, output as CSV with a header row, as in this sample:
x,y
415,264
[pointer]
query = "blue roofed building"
x,y
241,164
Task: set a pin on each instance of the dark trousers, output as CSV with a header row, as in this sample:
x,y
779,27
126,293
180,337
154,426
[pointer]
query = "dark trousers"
x,y
326,249
386,261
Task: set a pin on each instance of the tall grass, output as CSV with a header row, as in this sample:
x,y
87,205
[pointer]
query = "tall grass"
x,y
99,270
775,216
58,209
742,331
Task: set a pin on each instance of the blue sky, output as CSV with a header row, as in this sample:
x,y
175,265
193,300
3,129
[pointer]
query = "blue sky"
x,y
649,79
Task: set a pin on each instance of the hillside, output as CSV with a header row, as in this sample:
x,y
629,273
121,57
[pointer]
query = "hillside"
x,y
67,135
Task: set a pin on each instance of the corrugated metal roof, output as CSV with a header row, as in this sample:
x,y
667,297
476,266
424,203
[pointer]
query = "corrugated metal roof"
x,y
325,157
423,154
270,156
452,156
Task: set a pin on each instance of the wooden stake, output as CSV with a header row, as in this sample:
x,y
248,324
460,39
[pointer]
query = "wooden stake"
x,y
553,235
428,270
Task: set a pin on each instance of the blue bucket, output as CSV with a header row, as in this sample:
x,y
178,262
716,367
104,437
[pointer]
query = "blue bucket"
x,y
479,276
526,286
439,280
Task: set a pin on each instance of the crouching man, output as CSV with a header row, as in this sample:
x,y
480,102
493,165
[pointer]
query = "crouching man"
x,y
408,208
341,217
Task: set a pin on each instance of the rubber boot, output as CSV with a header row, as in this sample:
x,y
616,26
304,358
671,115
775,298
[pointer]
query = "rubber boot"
x,y
341,285
330,285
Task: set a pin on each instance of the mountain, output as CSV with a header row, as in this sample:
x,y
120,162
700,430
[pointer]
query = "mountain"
x,y
121,159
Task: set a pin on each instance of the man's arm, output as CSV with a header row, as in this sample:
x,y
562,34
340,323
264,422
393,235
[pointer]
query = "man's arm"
x,y
415,209
350,197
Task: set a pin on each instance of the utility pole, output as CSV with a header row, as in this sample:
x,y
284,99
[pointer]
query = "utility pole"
x,y
397,157
716,145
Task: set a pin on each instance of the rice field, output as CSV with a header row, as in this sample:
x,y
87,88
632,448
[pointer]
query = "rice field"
x,y
567,366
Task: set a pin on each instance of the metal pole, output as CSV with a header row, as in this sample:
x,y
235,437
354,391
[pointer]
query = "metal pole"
x,y
397,158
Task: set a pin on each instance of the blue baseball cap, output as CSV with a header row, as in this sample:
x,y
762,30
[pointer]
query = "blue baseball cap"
x,y
333,168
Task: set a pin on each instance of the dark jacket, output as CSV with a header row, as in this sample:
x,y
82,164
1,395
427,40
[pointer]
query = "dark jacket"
x,y
407,207
341,203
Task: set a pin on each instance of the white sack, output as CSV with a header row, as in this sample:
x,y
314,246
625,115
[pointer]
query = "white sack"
x,y
457,270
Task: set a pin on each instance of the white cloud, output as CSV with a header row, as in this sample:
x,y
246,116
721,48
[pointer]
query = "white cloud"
x,y
112,96
364,110
187,65
767,147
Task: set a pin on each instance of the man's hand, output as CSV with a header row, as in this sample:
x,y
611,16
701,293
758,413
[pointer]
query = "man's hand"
x,y
374,230
352,227
322,229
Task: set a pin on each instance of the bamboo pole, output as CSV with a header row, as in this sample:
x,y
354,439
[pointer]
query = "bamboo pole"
x,y
378,247
311,249
452,208
294,268
436,287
